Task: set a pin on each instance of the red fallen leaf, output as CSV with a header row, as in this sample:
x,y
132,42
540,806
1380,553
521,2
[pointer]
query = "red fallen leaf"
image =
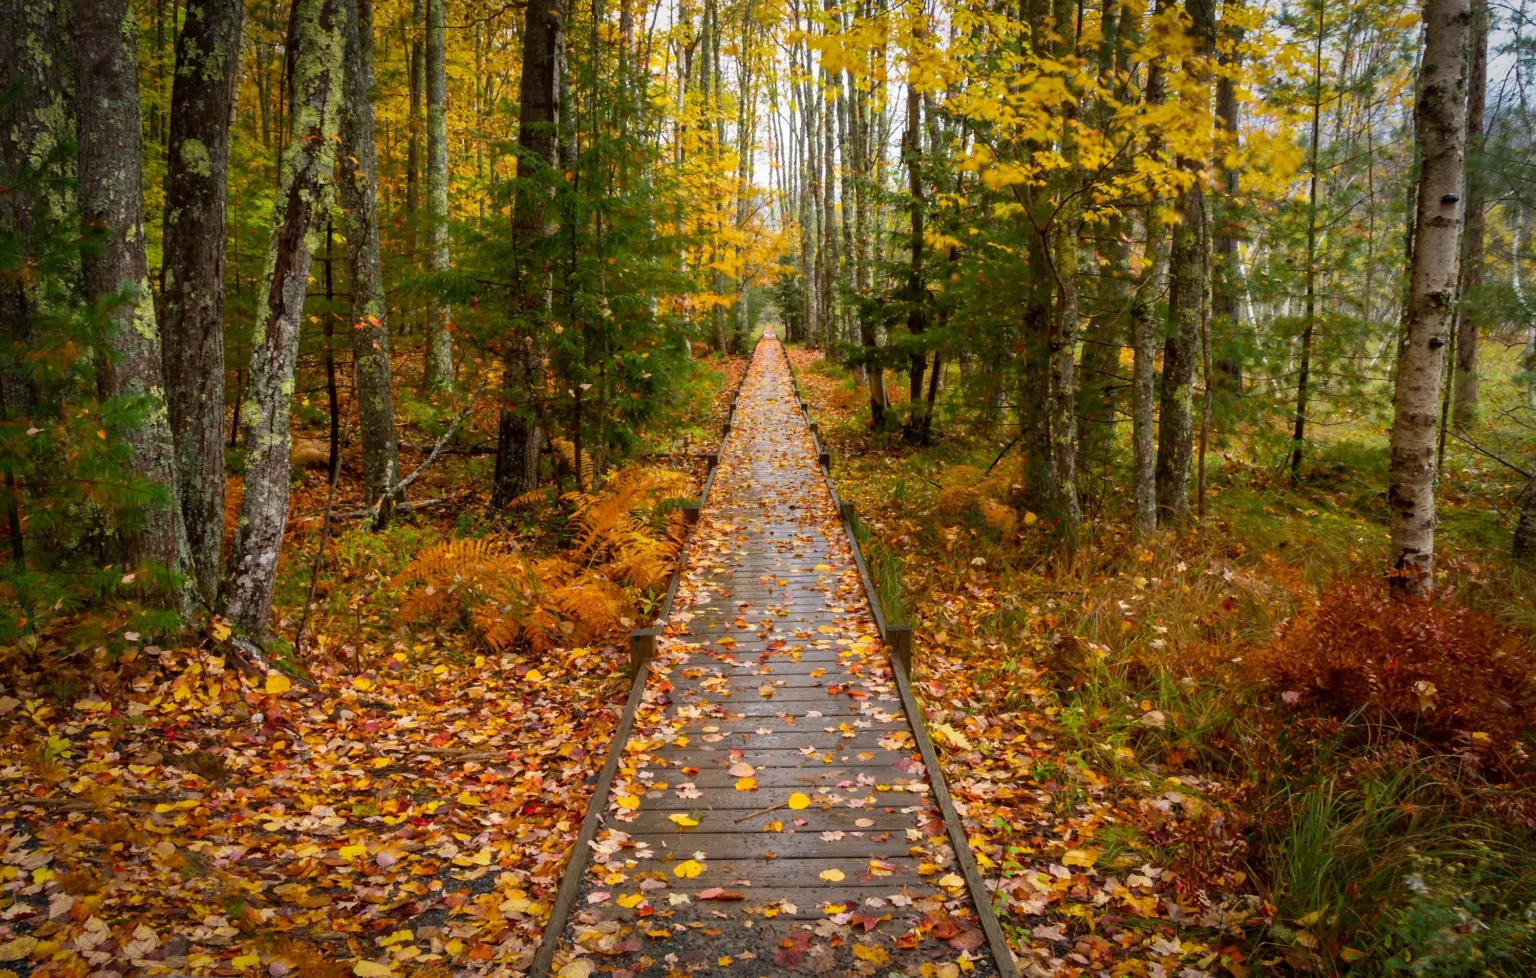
x,y
716,893
943,927
867,922
968,941
788,959
910,939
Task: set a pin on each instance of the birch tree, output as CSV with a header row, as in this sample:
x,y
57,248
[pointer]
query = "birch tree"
x,y
1441,132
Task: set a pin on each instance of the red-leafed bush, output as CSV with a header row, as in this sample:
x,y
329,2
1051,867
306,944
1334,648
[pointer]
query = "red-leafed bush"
x,y
1436,668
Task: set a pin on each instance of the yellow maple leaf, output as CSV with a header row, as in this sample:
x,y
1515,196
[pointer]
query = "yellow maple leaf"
x,y
1080,857
687,869
832,875
278,684
746,784
629,803
685,821
799,800
873,953
371,969
630,901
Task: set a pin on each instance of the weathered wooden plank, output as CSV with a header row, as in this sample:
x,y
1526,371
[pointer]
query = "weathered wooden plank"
x,y
817,820
732,843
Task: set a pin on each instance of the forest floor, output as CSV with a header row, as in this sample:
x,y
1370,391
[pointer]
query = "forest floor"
x,y
163,811
1222,750
1217,752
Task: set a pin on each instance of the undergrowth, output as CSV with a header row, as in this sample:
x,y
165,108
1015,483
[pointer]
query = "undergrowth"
x,y
1375,756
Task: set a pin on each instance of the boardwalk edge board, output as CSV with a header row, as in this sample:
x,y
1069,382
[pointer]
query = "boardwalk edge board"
x,y
898,638
642,646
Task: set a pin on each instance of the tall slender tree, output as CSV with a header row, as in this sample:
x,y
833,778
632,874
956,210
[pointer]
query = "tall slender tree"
x,y
35,126
1465,410
1441,134
1188,264
438,364
116,271
360,199
191,310
315,48
538,145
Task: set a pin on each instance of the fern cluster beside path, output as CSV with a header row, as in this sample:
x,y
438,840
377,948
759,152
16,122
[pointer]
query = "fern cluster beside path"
x,y
771,811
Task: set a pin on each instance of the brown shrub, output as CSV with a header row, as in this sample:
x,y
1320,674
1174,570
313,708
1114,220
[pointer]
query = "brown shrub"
x,y
1450,674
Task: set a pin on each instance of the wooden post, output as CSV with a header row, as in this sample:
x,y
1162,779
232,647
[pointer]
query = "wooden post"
x,y
825,461
816,428
691,512
642,645
713,459
848,512
899,638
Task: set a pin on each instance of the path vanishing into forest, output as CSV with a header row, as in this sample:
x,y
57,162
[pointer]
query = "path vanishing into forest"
x,y
771,811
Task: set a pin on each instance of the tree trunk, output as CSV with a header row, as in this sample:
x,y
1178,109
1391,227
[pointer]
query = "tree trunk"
x,y
917,289
416,71
116,273
192,273
360,200
1304,371
438,361
1064,327
1186,298
1525,530
518,434
1226,274
1465,411
315,51
34,122
1441,125
1143,315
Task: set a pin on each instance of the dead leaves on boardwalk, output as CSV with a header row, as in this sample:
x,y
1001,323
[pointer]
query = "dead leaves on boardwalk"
x,y
771,812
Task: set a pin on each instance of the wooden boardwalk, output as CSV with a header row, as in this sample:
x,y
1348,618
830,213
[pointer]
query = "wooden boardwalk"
x,y
771,812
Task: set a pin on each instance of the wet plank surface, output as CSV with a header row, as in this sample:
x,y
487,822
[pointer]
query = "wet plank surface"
x,y
771,813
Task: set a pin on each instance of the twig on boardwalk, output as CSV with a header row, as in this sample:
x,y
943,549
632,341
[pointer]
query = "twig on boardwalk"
x,y
764,811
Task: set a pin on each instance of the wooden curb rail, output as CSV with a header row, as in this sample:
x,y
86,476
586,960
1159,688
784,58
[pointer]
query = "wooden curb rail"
x,y
898,639
642,647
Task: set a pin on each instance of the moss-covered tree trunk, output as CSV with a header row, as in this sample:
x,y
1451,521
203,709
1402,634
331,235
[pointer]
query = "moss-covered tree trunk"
x,y
1441,121
1188,267
192,273
116,270
1143,315
438,363
538,140
303,202
360,199
34,122
1472,246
